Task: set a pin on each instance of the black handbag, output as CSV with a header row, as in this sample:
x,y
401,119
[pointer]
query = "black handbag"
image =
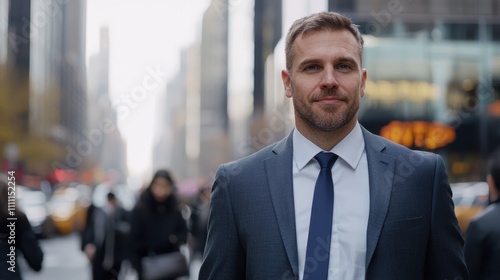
x,y
163,266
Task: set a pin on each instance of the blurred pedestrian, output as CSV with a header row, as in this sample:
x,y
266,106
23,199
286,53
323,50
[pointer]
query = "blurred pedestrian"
x,y
199,220
105,239
331,200
482,238
16,236
158,226
114,182
86,232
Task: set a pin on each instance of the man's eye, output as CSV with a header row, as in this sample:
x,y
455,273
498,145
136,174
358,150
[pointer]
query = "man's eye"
x,y
311,67
344,67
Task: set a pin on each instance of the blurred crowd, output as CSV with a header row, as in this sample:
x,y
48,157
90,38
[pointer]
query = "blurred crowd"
x,y
117,226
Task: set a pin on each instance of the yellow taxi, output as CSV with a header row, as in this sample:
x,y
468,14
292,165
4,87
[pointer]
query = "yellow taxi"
x,y
67,212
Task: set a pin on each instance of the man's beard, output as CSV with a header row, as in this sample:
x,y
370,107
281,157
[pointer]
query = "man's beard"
x,y
332,117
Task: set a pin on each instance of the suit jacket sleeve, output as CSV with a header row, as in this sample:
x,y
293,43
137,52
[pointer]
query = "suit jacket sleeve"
x,y
224,256
445,259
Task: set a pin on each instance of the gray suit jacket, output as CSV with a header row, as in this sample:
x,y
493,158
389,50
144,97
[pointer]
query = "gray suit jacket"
x,y
412,229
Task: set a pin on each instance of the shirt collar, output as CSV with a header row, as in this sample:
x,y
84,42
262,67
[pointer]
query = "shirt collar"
x,y
350,149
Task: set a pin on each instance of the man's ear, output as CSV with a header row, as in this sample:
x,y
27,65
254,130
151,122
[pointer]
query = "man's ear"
x,y
287,83
363,82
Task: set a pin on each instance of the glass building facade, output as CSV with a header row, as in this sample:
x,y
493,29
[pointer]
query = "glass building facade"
x,y
433,77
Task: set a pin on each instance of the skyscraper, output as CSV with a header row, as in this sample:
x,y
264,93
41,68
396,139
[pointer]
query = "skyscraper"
x,y
46,56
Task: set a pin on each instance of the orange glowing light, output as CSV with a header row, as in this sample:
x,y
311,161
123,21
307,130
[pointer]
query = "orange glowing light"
x,y
420,134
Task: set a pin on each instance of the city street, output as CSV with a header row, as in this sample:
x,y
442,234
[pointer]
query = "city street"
x,y
62,260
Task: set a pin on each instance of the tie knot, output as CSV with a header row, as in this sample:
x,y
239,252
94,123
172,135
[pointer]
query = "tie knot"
x,y
326,160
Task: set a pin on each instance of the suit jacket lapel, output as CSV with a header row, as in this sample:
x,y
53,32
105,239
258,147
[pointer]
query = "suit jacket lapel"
x,y
381,174
279,177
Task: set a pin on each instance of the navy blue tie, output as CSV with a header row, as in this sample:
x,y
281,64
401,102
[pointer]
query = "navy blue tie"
x,y
320,228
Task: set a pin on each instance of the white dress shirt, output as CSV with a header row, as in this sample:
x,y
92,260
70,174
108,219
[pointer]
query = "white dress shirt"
x,y
351,202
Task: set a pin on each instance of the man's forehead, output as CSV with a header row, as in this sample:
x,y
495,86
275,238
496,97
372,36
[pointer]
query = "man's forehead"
x,y
341,34
310,42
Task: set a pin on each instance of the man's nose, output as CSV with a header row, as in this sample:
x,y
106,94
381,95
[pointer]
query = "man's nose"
x,y
329,80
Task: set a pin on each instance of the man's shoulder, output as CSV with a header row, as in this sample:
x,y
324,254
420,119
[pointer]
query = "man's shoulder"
x,y
489,216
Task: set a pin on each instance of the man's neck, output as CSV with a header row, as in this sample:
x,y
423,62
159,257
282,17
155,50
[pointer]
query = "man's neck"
x,y
326,140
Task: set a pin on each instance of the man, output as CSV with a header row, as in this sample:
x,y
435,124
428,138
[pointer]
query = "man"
x,y
482,239
390,215
105,237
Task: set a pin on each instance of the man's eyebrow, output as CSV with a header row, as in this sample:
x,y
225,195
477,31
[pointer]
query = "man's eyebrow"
x,y
346,59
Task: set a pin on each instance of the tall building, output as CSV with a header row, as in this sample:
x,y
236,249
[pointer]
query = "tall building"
x,y
267,33
177,136
193,115
72,66
213,87
170,146
58,79
108,148
241,76
14,83
46,71
4,31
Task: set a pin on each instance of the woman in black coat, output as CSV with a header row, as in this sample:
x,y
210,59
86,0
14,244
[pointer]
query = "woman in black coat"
x,y
157,223
16,236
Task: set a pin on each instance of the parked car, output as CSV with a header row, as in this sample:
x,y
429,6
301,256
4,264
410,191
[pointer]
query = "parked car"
x,y
470,199
67,211
34,204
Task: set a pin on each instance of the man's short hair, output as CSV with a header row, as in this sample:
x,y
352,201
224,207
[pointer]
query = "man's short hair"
x,y
318,22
